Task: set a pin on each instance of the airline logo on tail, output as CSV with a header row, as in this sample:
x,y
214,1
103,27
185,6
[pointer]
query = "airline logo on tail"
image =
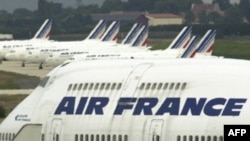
x,y
44,31
191,48
132,33
98,31
173,106
112,32
182,38
141,39
207,42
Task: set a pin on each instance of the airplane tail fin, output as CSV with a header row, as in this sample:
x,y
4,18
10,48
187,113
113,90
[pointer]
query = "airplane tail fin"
x,y
131,34
141,38
182,39
206,44
44,30
191,48
98,31
111,34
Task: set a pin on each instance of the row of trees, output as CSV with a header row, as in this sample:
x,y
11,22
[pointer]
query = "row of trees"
x,y
23,23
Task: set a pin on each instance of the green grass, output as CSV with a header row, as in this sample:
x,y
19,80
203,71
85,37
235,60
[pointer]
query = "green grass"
x,y
230,47
8,80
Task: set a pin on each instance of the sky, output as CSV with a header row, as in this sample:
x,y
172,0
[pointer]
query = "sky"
x,y
11,5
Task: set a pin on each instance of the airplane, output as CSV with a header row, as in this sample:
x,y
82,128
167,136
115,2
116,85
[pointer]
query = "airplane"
x,y
174,50
19,54
134,100
41,35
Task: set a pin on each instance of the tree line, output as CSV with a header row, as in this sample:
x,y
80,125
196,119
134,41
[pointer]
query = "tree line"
x,y
23,23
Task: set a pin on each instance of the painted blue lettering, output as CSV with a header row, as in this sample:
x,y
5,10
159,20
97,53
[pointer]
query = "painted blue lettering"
x,y
124,103
97,104
209,108
81,105
66,105
146,105
170,105
193,107
232,105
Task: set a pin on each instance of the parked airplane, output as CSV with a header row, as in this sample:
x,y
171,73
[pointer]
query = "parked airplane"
x,y
41,35
134,100
175,49
19,54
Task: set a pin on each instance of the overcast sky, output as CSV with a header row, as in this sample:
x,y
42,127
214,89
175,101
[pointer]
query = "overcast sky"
x,y
11,5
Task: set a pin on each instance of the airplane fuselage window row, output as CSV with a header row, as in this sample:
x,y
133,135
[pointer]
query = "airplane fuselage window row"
x,y
6,136
95,86
117,86
201,138
81,137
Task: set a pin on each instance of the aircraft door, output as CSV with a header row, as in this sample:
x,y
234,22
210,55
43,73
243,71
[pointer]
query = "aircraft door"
x,y
155,130
56,130
134,78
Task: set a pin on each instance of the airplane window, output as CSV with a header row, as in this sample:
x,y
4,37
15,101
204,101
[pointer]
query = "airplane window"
x,y
81,137
208,138
178,138
57,137
126,138
42,137
70,86
6,136
196,138
159,86
96,86
108,138
80,87
119,86
76,137
10,136
113,86
183,86
86,138
202,138
154,86
177,86
157,138
165,86
107,86
214,138
75,86
102,86
91,86
97,137
190,138
103,138
171,86
0,136
114,137
120,138
148,86
184,138
85,86
221,138
142,86
92,137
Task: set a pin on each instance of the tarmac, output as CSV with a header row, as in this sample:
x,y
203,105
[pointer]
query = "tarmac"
x,y
29,69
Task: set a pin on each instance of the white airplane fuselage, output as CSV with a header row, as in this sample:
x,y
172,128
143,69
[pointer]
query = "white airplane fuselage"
x,y
142,100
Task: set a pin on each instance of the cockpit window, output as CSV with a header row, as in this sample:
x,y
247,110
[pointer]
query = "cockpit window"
x,y
44,81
